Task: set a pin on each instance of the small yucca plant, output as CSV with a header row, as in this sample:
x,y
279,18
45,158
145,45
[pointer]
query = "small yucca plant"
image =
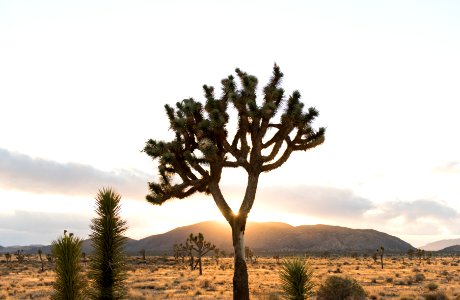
x,y
296,279
107,264
69,283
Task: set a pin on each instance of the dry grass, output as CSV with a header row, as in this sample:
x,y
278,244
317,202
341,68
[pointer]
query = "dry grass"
x,y
163,278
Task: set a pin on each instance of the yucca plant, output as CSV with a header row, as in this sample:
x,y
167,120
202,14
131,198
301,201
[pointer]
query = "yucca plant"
x,y
69,283
296,279
107,264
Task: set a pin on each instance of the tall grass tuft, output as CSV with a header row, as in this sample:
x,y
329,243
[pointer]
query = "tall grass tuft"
x,y
107,264
296,279
69,283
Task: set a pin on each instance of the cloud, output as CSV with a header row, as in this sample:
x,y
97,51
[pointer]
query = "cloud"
x,y
324,202
419,217
23,228
449,167
414,210
343,207
36,175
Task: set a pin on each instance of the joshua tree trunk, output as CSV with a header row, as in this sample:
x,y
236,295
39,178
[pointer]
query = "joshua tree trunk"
x,y
240,275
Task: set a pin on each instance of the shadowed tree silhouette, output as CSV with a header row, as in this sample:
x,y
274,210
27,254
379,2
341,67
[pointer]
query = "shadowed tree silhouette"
x,y
107,264
201,248
40,252
380,252
268,132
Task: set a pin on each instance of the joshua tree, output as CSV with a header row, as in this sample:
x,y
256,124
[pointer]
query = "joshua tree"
x,y
8,257
20,255
201,248
380,252
194,160
184,250
49,257
410,253
107,265
142,253
218,254
69,282
40,252
375,256
248,254
83,256
179,252
420,254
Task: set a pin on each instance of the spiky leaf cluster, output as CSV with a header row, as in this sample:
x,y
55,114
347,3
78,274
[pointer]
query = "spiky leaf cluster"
x,y
194,159
69,283
296,279
107,265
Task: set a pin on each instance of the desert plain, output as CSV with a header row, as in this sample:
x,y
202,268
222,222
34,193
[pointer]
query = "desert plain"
x,y
163,277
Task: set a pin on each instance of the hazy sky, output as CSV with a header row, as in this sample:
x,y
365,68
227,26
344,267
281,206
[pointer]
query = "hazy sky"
x,y
83,85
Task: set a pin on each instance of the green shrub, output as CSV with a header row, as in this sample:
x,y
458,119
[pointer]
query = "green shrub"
x,y
336,287
296,279
69,283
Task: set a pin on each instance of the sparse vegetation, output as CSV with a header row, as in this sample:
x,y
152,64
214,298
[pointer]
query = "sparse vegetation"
x,y
163,278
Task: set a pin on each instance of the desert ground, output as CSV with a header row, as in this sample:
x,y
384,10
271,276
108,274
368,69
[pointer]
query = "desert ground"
x,y
161,277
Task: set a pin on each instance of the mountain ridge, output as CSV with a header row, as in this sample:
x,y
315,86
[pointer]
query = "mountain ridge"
x,y
263,237
441,244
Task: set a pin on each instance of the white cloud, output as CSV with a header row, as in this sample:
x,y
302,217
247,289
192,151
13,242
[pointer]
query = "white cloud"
x,y
36,175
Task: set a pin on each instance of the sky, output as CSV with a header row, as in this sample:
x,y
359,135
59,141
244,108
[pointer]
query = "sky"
x,y
83,86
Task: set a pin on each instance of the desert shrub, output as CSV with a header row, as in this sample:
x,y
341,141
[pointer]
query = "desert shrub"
x,y
296,279
419,277
336,287
432,286
439,295
69,283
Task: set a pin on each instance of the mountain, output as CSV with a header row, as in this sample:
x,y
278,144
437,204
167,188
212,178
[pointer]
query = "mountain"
x,y
452,249
268,238
33,249
439,245
274,237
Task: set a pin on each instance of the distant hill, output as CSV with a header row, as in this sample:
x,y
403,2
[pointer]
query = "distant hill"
x,y
439,245
268,237
33,249
272,237
452,249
